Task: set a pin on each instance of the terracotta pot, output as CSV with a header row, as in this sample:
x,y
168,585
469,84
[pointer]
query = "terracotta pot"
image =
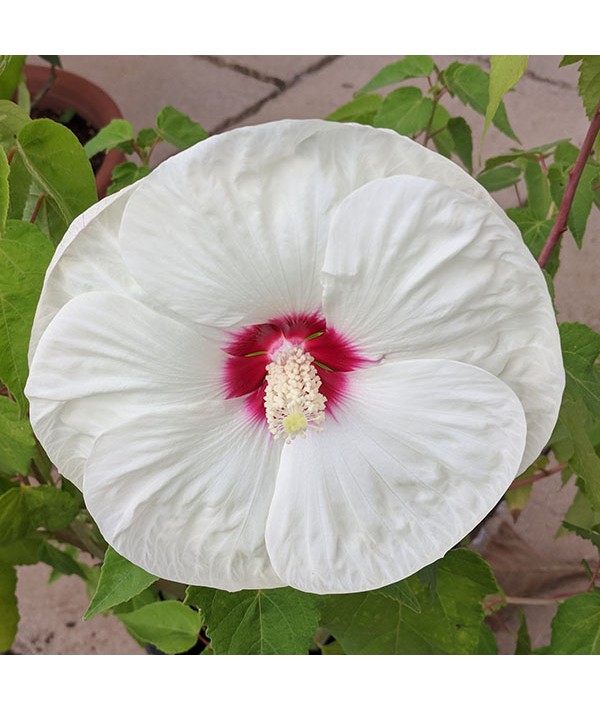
x,y
70,91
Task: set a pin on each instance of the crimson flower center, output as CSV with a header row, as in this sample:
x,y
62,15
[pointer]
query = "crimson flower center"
x,y
291,372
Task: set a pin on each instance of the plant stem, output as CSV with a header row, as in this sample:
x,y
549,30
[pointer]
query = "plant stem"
x,y
36,209
560,225
536,477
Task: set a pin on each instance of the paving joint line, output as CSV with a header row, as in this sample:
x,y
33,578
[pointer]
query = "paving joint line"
x,y
281,86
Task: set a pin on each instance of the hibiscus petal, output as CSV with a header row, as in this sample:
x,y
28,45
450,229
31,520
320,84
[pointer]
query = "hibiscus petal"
x,y
415,269
184,493
87,259
418,454
242,218
106,358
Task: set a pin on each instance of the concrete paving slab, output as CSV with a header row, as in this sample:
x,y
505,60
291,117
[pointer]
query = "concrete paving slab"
x,y
51,618
277,68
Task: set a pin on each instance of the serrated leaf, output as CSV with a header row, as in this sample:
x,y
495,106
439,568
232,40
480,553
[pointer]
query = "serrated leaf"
x,y
407,68
499,178
505,72
581,350
402,592
17,443
581,514
279,621
463,141
57,162
576,625
450,621
111,136
523,640
60,561
438,130
535,232
587,533
405,110
538,190
146,137
9,613
4,172
589,83
581,206
583,459
12,119
178,129
570,59
119,581
543,151
24,257
169,625
470,83
27,508
125,174
362,110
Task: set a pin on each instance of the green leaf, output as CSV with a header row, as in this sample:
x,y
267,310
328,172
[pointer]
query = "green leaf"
x,y
9,613
581,207
536,153
438,130
535,232
11,74
576,625
487,641
402,592
499,178
117,132
146,137
27,508
583,459
538,190
279,621
450,621
407,68
580,513
4,172
523,639
570,59
581,350
25,551
470,83
587,533
589,83
169,625
119,581
60,561
125,174
57,162
24,257
505,72
363,110
178,129
12,119
17,443
405,110
463,141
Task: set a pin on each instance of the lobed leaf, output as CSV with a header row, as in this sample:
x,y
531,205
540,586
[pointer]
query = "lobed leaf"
x,y
581,351
125,174
589,83
178,129
408,68
576,625
470,83
405,110
278,621
535,232
116,133
120,580
17,443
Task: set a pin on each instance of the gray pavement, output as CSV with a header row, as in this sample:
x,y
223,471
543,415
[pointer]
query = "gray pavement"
x,y
227,91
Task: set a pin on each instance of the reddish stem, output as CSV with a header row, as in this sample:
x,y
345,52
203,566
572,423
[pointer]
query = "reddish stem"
x,y
36,209
594,576
560,225
536,477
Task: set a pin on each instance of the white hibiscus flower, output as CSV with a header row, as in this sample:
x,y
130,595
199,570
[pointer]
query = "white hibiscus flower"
x,y
334,286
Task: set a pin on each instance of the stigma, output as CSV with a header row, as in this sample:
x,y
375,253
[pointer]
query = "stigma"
x,y
293,401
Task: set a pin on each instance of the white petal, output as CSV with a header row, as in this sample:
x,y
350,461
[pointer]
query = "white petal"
x,y
417,270
420,452
184,493
233,230
87,259
104,359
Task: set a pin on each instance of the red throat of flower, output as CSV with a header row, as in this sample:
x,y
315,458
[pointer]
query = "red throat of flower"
x,y
290,370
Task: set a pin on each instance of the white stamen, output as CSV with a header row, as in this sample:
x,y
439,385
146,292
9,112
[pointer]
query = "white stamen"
x,y
293,402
